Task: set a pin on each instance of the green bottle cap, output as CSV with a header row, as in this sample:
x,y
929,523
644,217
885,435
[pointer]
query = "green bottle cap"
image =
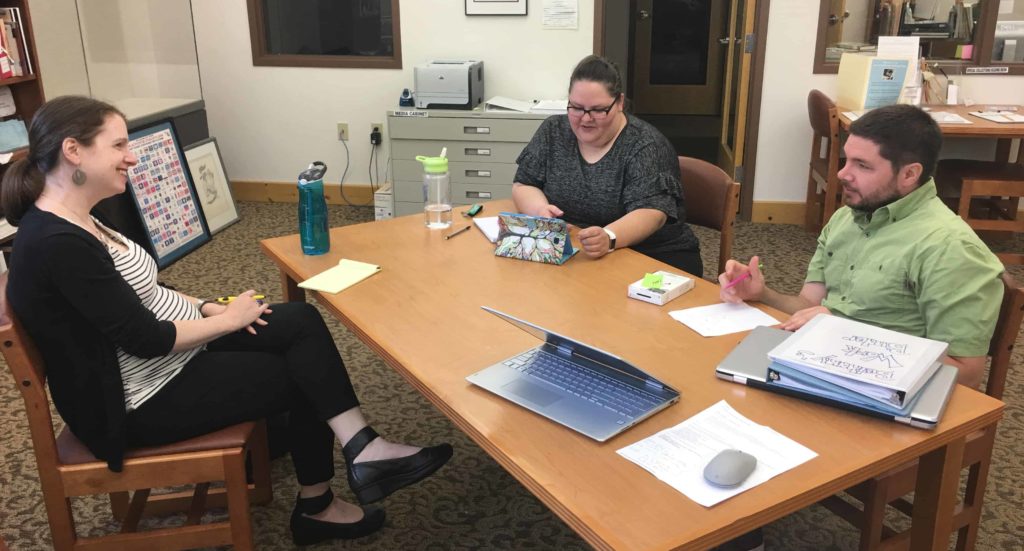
x,y
433,165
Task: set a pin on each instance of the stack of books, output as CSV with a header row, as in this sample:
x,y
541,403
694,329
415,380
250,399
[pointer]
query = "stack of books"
x,y
15,60
856,363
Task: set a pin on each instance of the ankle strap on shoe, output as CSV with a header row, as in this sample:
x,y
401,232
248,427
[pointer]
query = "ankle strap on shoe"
x,y
357,443
313,505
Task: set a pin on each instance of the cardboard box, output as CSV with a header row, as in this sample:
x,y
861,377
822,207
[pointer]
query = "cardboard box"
x,y
672,286
383,203
866,81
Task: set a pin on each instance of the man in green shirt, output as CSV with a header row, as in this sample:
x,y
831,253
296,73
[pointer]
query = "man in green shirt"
x,y
895,256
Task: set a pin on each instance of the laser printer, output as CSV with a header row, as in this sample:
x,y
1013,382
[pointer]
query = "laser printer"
x,y
449,84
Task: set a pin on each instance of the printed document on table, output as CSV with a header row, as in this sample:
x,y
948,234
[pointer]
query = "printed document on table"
x,y
999,116
722,318
945,117
677,455
346,274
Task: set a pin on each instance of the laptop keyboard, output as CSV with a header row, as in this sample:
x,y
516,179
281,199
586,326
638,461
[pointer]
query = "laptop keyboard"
x,y
591,386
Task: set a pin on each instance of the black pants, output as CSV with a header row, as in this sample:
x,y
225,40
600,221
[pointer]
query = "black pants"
x,y
688,261
290,365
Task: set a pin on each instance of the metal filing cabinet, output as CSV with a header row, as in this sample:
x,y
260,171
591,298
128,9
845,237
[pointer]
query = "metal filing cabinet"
x,y
482,151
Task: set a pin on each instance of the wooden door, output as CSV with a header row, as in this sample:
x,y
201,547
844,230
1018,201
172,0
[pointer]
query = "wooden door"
x,y
736,91
677,56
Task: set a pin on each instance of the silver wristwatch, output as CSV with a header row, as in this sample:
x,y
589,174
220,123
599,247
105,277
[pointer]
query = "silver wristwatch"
x,y
611,238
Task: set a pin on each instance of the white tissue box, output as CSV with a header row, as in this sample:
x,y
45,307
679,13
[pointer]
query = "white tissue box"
x,y
672,286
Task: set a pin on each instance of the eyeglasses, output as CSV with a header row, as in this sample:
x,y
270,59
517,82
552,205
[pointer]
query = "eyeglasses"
x,y
596,113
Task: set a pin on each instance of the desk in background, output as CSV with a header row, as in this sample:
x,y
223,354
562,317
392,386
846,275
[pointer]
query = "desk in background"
x,y
979,127
422,315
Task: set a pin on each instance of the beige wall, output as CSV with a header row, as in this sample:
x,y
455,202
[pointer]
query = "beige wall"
x,y
271,122
783,150
139,48
59,45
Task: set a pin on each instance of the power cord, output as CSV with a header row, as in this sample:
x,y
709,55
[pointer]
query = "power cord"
x,y
341,183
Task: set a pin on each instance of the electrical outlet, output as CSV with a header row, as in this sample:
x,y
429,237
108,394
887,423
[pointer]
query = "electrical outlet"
x,y
376,133
342,131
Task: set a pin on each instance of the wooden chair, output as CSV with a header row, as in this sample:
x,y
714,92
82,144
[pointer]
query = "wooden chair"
x,y
67,469
823,197
712,199
986,194
890,488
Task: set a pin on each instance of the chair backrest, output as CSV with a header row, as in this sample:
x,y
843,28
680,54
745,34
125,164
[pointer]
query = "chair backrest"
x,y
26,365
818,106
1011,314
712,199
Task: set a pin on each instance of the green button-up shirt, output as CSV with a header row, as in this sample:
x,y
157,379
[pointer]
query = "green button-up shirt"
x,y
912,266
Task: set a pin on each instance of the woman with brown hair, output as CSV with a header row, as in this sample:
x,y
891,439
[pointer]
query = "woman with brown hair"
x,y
131,363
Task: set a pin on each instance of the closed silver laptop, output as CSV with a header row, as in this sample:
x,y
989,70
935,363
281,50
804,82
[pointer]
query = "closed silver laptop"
x,y
749,364
576,385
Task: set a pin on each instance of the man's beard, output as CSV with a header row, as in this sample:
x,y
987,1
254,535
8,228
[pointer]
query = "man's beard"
x,y
869,204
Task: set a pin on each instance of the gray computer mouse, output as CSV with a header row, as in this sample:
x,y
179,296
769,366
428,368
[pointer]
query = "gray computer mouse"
x,y
729,468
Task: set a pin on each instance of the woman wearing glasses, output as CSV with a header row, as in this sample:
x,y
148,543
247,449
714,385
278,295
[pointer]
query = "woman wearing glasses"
x,y
610,173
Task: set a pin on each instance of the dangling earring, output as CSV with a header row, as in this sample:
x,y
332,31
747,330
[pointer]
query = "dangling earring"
x,y
78,177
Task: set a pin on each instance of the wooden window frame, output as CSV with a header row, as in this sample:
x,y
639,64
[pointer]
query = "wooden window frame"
x,y
261,58
985,33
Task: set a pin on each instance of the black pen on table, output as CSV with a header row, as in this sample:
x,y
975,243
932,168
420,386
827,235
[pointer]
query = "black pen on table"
x,y
456,232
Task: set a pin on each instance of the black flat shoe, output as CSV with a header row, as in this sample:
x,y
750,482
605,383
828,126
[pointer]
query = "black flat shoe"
x,y
374,480
307,530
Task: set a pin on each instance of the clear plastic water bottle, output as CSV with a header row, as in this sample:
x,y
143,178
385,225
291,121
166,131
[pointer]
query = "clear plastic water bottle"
x,y
313,229
437,191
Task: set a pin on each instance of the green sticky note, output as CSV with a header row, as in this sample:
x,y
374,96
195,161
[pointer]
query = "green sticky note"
x,y
652,281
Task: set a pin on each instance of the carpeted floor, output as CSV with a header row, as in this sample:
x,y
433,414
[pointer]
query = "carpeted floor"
x,y
471,503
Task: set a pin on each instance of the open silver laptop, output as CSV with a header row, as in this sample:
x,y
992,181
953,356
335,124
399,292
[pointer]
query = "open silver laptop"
x,y
576,385
749,364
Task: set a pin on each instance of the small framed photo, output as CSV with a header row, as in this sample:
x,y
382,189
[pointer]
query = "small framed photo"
x,y
495,7
211,181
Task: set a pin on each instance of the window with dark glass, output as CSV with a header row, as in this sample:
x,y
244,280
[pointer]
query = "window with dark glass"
x,y
325,33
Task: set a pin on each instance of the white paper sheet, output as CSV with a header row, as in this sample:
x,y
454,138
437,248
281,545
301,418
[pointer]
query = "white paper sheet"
x,y
489,226
999,116
945,117
901,47
722,318
677,455
501,103
561,14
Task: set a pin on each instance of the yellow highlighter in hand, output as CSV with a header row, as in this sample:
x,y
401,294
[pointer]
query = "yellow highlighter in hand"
x,y
229,298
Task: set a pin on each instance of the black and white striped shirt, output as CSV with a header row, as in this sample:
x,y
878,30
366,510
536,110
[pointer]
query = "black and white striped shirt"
x,y
143,377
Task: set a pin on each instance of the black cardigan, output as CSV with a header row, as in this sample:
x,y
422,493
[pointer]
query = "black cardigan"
x,y
75,305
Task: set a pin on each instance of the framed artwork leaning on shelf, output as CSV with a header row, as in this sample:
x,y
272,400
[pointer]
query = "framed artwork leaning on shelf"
x,y
212,184
164,194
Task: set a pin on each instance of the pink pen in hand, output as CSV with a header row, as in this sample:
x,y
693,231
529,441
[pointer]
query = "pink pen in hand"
x,y
747,275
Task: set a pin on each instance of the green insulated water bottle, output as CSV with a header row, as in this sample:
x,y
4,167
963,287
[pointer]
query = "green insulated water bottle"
x,y
313,229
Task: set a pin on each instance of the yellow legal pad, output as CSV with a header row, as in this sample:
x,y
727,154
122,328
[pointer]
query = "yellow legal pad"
x,y
346,274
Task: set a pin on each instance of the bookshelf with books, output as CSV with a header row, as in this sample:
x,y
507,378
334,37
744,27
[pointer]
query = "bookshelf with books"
x,y
19,67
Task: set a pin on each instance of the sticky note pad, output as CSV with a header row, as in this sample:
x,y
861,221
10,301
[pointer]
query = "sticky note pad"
x,y
652,281
346,274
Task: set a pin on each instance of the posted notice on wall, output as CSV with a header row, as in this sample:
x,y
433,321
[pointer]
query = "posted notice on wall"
x,y
561,14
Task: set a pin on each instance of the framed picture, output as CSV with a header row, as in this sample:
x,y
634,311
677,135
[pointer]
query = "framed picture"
x,y
164,195
495,7
207,169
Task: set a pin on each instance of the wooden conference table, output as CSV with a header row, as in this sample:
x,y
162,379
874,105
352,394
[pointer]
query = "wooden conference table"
x,y
422,315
